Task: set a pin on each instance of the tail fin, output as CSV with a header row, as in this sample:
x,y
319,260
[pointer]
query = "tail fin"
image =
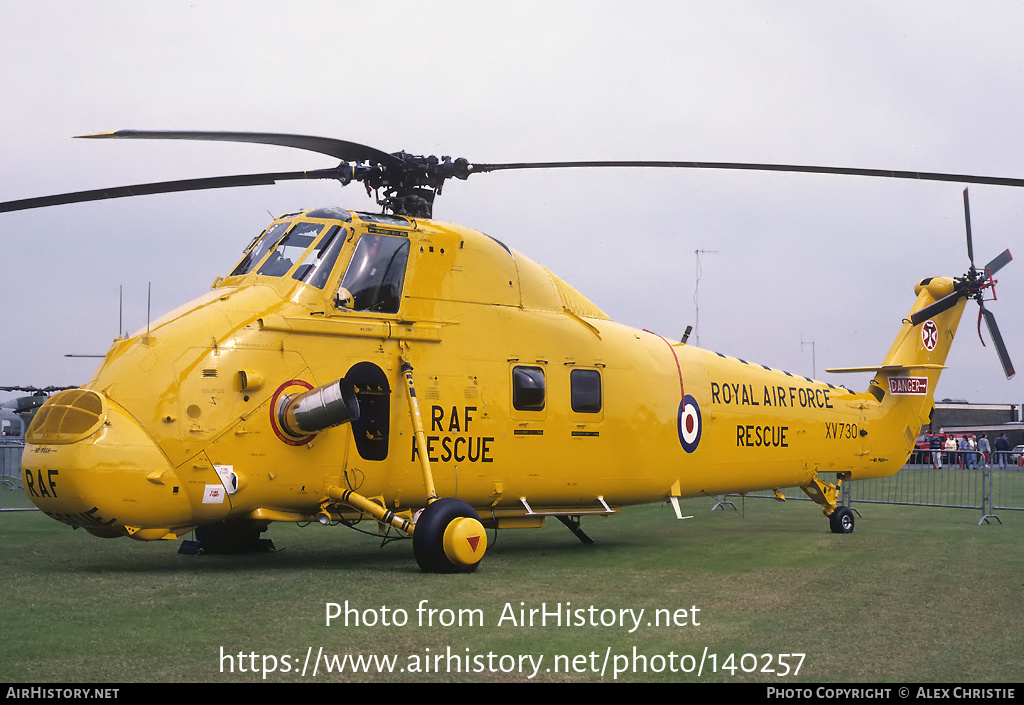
x,y
918,355
904,384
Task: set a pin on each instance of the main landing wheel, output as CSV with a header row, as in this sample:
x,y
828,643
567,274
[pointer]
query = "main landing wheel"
x,y
841,521
449,537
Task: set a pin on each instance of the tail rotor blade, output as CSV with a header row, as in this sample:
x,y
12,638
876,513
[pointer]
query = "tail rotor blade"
x,y
997,340
931,310
967,219
1000,261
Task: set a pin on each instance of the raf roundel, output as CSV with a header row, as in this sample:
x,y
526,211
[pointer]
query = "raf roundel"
x,y
689,424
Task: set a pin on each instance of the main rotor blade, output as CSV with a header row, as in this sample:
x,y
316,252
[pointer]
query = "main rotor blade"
x,y
167,187
931,310
849,171
967,218
1000,261
997,340
339,149
35,389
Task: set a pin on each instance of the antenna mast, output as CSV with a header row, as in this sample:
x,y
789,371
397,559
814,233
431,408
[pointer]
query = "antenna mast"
x,y
814,364
696,291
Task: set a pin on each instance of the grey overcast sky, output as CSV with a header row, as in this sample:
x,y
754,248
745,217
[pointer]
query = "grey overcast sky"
x,y
828,260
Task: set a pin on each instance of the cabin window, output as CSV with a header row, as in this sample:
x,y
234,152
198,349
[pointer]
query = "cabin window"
x,y
375,275
260,247
585,391
296,242
315,273
528,391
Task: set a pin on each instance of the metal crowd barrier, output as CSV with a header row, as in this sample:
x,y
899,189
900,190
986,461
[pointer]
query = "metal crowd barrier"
x,y
963,481
953,479
12,494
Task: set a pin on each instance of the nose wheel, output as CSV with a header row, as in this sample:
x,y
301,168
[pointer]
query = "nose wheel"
x,y
448,537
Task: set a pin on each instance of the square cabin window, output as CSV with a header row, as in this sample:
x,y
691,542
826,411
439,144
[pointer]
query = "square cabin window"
x,y
585,390
528,388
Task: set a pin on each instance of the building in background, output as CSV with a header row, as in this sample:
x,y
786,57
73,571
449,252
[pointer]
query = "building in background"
x,y
961,417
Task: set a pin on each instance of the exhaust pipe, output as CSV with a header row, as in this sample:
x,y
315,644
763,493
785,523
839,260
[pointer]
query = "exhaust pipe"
x,y
318,409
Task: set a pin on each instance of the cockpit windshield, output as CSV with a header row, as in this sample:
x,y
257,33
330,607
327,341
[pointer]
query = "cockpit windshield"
x,y
376,274
260,248
309,252
290,248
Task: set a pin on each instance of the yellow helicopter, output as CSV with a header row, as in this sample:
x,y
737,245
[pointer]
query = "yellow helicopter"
x,y
425,376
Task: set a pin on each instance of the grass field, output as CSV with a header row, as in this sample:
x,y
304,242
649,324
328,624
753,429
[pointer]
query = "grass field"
x,y
915,594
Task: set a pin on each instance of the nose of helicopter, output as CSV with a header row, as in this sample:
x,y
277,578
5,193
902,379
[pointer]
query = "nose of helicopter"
x,y
89,464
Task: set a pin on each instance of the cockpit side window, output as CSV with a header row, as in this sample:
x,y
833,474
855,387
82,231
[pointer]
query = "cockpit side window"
x,y
375,275
258,249
295,243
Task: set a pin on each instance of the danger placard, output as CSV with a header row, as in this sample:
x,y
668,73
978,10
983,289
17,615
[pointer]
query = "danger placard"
x,y
908,385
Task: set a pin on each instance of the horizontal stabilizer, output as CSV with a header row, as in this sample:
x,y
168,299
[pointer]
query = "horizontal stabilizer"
x,y
888,369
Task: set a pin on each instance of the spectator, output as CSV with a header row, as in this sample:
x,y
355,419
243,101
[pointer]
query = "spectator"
x,y
1002,450
936,447
965,452
985,447
951,449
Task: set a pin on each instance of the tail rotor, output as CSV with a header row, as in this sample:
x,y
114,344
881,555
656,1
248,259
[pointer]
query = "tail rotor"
x,y
973,285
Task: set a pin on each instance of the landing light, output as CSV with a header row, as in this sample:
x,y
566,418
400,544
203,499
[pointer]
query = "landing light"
x,y
249,381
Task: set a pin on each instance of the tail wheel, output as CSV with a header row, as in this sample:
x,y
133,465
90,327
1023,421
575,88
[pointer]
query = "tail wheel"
x,y
841,520
449,537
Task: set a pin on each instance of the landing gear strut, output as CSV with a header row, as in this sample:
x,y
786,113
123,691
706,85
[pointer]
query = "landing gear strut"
x,y
448,536
840,519
572,523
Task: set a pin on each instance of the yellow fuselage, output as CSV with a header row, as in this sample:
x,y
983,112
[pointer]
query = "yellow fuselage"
x,y
532,401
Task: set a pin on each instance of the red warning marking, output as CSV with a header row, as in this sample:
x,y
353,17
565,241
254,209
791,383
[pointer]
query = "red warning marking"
x,y
473,542
275,423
